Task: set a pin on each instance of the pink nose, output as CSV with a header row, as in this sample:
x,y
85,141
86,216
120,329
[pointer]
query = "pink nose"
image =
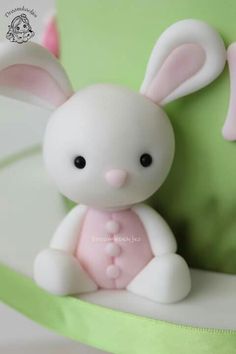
x,y
116,178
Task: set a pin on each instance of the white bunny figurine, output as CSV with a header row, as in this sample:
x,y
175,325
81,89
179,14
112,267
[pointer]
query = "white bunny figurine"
x,y
109,149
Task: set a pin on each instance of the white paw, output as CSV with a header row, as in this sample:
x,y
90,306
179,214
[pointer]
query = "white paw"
x,y
166,279
61,274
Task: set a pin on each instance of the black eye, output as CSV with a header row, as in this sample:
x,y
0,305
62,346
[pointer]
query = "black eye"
x,y
24,26
146,160
18,28
80,162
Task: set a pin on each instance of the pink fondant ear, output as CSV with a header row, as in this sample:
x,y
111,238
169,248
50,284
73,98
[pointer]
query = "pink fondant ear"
x,y
50,39
32,74
229,129
188,56
182,63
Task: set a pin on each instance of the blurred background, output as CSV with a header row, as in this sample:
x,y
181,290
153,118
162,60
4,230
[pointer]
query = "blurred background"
x,y
22,126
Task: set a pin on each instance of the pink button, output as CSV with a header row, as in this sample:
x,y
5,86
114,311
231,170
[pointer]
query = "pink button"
x,y
112,227
112,249
112,271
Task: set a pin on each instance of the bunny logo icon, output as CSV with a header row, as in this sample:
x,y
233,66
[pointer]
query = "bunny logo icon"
x,y
20,30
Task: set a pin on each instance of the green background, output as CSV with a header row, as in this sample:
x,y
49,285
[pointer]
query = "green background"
x,y
110,41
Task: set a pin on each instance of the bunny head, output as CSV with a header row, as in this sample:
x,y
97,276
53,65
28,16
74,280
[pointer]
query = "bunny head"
x,y
114,149
107,146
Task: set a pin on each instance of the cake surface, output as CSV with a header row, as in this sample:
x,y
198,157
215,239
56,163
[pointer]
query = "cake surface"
x,y
105,41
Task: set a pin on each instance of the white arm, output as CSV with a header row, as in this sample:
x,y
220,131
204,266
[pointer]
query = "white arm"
x,y
160,236
66,235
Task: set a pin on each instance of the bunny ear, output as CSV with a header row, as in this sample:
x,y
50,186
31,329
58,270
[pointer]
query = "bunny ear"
x,y
229,128
187,56
31,74
51,37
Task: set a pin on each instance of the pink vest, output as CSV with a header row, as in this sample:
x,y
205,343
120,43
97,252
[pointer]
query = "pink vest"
x,y
113,247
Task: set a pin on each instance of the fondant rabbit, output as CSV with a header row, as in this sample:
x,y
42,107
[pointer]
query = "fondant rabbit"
x,y
109,149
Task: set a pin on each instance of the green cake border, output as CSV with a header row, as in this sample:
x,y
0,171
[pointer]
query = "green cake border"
x,y
107,329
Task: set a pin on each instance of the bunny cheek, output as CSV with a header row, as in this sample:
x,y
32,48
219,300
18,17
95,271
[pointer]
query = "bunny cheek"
x,y
126,140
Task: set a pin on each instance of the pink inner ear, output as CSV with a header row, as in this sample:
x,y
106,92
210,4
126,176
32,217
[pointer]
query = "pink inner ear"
x,y
34,80
181,64
51,38
229,129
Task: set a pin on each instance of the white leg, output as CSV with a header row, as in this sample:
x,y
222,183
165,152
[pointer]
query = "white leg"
x,y
61,274
166,279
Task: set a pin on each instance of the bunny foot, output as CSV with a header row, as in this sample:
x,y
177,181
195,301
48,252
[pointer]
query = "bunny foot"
x,y
61,274
166,279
